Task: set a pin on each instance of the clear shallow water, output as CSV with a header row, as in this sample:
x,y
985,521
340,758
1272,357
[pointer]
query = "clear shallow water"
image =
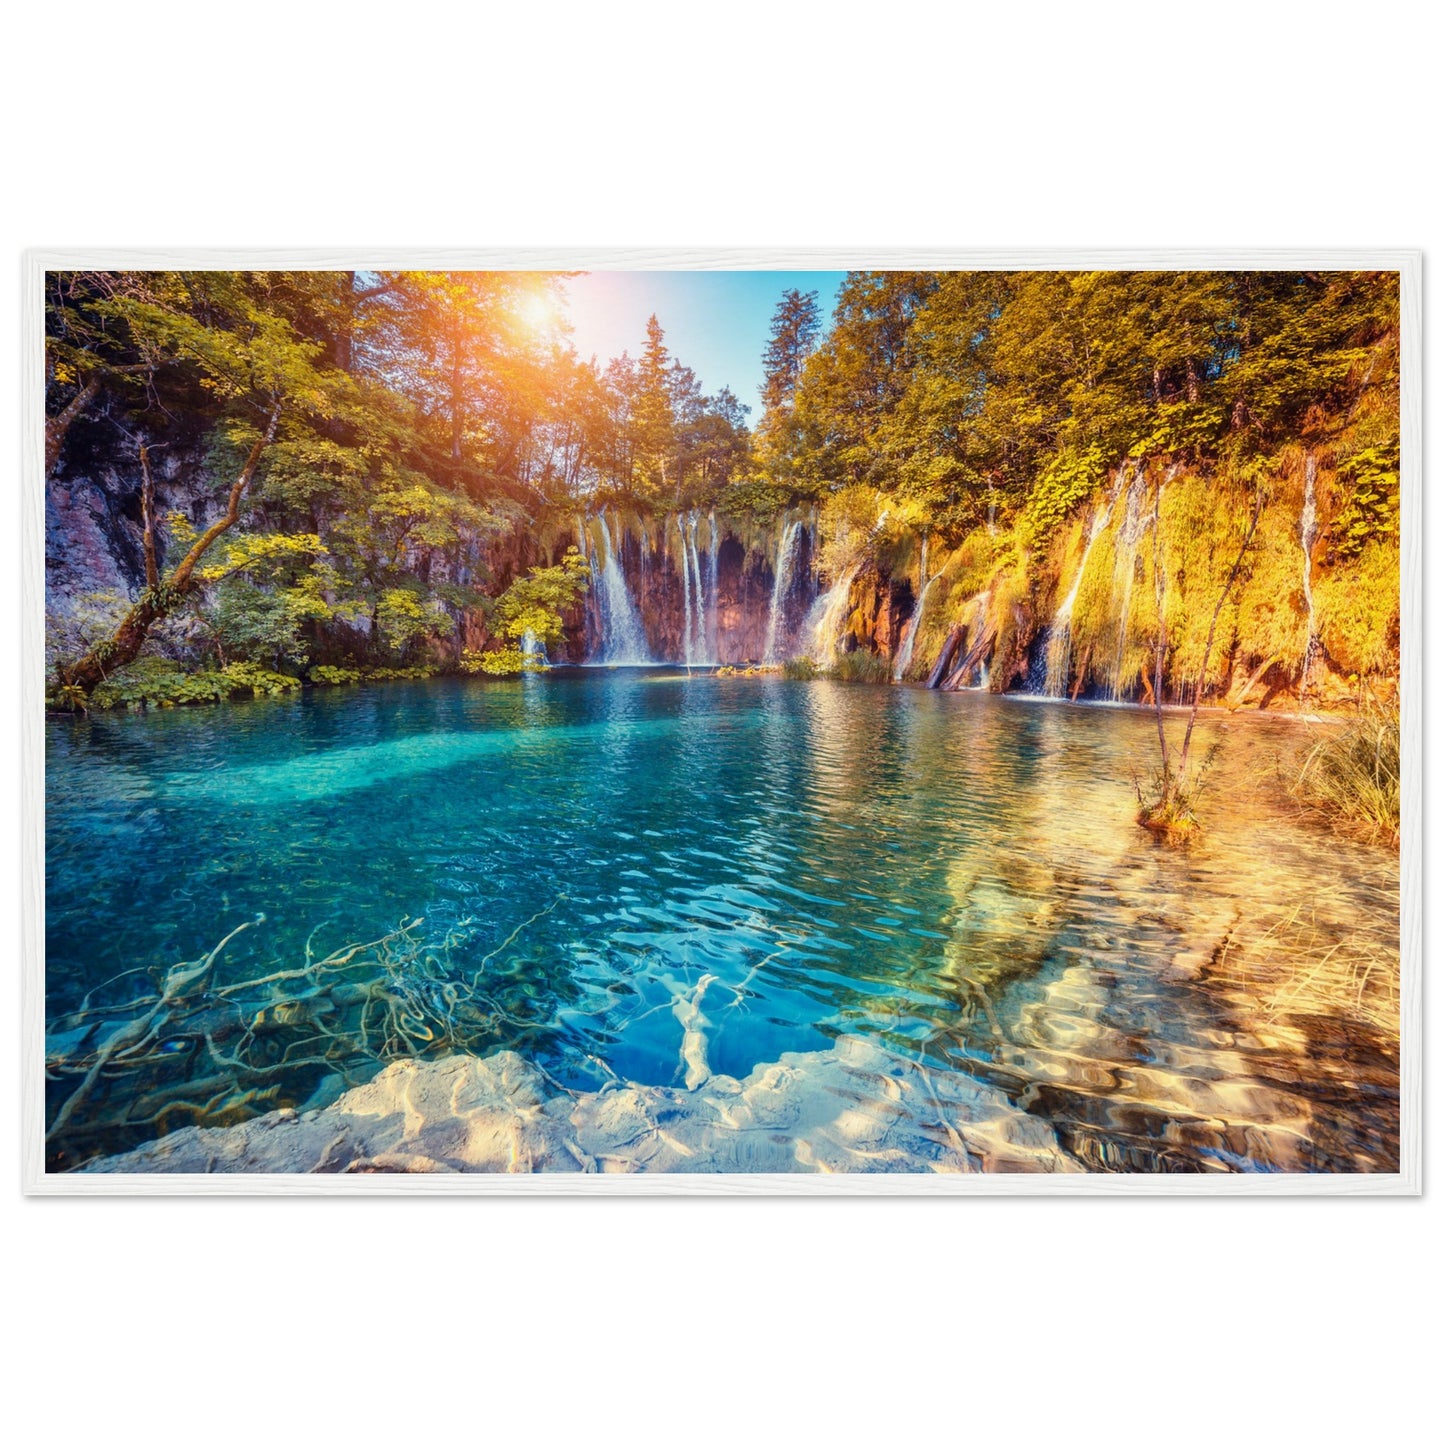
x,y
625,856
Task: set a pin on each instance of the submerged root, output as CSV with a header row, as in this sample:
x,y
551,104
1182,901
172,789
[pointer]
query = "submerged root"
x,y
198,1050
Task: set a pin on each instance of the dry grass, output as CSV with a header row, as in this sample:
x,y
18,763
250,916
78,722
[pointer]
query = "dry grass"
x,y
1305,962
1352,779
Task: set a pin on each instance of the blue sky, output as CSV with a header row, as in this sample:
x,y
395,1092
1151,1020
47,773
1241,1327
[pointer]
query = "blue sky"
x,y
715,321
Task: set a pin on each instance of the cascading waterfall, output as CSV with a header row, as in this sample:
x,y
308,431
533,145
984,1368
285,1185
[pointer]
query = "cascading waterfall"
x,y
788,540
532,650
826,616
1308,532
910,631
825,619
686,593
624,643
982,640
1058,646
697,651
1126,564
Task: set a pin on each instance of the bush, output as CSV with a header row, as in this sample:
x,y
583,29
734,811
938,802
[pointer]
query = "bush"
x,y
327,676
800,669
860,666
155,682
1352,779
503,662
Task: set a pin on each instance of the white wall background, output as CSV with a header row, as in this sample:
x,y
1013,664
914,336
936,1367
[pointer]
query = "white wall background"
x,y
1082,124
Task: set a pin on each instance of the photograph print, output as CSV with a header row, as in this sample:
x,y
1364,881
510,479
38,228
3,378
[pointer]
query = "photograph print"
x,y
779,723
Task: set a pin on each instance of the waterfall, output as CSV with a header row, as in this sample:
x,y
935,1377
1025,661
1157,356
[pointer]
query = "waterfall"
x,y
826,616
695,645
1058,645
910,630
1126,564
623,640
825,619
686,595
788,540
699,652
712,586
534,655
1308,532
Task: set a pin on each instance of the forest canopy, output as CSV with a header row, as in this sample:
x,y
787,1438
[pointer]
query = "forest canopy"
x,y
355,466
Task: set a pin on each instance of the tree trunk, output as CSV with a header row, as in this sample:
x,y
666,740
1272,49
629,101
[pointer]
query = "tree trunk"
x,y
148,517
156,602
945,655
58,425
1239,696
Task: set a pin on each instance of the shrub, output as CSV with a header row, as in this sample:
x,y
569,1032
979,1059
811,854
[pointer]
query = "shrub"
x,y
800,669
503,662
324,675
860,666
1352,779
155,682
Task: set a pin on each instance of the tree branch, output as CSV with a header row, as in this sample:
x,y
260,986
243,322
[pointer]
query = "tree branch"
x,y
180,579
148,516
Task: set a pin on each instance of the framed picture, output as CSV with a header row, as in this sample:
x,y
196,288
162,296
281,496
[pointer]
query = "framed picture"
x,y
598,721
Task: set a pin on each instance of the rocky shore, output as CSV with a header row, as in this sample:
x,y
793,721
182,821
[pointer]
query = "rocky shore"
x,y
855,1108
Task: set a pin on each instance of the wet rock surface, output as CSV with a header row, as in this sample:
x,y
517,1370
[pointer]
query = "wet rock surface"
x,y
855,1108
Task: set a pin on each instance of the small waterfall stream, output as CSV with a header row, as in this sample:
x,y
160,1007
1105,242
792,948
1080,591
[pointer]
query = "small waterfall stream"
x,y
1126,565
1058,646
695,648
788,546
686,592
910,630
624,643
825,619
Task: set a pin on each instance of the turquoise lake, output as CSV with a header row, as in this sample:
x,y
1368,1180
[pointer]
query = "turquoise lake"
x,y
957,877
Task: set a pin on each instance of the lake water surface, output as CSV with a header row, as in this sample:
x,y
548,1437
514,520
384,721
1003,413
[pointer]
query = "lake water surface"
x,y
624,857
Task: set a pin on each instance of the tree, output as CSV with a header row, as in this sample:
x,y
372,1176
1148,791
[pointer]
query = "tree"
x,y
229,332
650,423
791,341
793,338
532,607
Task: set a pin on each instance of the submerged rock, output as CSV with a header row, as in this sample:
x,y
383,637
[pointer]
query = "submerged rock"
x,y
855,1108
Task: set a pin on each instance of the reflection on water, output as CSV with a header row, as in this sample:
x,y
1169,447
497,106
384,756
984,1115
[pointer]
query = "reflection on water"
x,y
662,880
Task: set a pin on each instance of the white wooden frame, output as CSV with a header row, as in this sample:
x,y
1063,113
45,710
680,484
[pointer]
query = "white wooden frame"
x,y
1407,1182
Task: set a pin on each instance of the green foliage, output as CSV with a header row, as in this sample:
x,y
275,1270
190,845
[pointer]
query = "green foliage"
x,y
801,669
534,604
754,501
155,682
253,624
1066,480
500,662
404,617
325,675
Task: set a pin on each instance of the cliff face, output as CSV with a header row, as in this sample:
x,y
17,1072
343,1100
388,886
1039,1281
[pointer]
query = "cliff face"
x,y
1307,622
93,521
1296,619
703,591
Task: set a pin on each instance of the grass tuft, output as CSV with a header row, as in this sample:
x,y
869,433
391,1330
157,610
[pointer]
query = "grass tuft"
x,y
1352,779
